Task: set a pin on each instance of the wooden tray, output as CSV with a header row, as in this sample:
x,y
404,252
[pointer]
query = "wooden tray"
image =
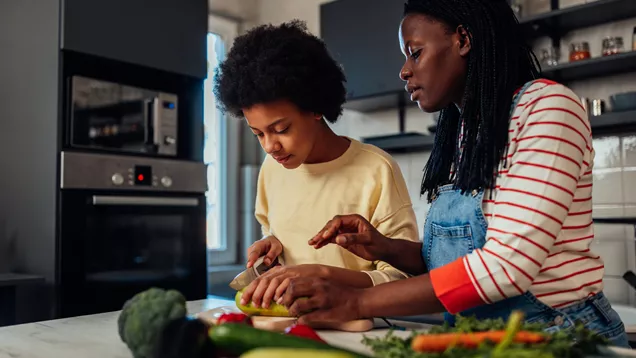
x,y
279,324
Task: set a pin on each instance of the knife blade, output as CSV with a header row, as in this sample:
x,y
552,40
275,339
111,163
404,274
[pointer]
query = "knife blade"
x,y
246,277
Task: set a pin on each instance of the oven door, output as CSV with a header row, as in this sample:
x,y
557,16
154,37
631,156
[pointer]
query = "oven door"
x,y
116,244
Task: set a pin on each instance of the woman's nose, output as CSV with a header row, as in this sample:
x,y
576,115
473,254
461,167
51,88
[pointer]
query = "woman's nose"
x,y
405,73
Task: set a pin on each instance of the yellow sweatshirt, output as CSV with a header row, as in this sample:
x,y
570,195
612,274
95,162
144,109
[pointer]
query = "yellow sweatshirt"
x,y
293,205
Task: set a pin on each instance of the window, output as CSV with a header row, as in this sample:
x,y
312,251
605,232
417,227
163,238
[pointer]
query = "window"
x,y
220,154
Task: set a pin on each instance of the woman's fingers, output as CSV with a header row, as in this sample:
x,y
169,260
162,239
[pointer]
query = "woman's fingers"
x,y
324,236
270,291
280,291
298,287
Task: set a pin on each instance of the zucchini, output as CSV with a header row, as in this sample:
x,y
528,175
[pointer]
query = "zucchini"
x,y
236,338
294,353
274,310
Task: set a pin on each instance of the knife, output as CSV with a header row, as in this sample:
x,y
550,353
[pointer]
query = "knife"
x,y
246,277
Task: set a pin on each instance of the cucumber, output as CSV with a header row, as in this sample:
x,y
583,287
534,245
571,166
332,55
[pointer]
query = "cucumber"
x,y
294,353
239,338
274,310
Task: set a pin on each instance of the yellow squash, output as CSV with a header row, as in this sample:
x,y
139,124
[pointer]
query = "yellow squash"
x,y
274,310
294,353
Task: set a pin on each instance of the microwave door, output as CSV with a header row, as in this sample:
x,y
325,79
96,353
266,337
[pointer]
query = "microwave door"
x,y
150,113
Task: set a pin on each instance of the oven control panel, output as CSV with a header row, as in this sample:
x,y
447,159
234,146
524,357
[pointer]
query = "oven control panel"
x,y
141,175
98,171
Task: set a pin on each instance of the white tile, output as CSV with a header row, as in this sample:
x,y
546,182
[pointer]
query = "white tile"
x,y
616,290
607,152
610,232
608,211
628,144
630,210
608,186
614,255
629,185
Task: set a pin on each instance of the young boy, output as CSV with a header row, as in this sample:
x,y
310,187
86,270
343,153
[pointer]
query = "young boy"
x,y
285,84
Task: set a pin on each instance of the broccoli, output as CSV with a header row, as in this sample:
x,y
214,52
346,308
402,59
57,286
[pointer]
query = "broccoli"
x,y
145,315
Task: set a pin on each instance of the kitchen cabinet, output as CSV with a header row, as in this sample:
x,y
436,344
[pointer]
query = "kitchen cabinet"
x,y
362,36
169,35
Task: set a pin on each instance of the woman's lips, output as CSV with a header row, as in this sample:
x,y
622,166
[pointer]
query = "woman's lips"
x,y
415,94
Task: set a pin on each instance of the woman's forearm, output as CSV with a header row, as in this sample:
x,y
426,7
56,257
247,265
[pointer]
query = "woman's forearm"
x,y
416,297
342,276
405,255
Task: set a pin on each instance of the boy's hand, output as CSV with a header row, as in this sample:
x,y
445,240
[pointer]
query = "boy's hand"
x,y
269,247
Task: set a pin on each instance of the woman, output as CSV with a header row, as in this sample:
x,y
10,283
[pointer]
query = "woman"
x,y
282,80
509,179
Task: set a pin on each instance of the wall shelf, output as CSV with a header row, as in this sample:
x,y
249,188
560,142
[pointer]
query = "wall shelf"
x,y
612,122
403,142
560,21
594,67
418,142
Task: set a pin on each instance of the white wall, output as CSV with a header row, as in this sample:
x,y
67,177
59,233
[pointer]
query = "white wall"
x,y
615,173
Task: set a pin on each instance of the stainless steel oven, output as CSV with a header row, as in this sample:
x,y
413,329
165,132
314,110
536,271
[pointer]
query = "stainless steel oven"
x,y
128,224
108,116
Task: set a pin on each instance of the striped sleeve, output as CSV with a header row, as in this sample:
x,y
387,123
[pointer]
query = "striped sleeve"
x,y
532,201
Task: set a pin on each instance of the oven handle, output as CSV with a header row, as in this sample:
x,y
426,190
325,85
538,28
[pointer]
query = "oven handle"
x,y
102,200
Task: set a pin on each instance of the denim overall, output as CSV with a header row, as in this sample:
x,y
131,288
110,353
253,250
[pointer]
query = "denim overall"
x,y
455,226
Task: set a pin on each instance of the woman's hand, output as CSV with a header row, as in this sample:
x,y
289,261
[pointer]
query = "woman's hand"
x,y
354,233
270,247
319,300
272,284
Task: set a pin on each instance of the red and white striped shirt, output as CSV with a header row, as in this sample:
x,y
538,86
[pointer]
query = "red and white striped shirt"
x,y
540,214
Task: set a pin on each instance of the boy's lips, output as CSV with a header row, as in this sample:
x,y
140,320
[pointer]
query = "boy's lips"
x,y
282,159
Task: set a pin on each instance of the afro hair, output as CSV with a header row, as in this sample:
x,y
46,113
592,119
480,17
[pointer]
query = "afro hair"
x,y
284,62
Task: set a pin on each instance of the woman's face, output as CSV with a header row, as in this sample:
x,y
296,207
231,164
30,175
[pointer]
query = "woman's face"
x,y
435,66
284,131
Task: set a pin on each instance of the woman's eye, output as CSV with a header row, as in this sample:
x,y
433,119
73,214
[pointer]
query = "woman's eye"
x,y
416,54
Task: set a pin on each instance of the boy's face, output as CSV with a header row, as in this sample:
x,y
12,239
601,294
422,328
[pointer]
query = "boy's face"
x,y
284,131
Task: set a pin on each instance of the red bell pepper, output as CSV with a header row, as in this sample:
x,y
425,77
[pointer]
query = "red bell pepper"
x,y
301,330
234,318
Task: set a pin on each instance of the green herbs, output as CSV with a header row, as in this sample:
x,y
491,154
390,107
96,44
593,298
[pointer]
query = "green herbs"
x,y
577,342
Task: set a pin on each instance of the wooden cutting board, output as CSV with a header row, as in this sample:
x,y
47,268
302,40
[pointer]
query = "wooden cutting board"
x,y
279,324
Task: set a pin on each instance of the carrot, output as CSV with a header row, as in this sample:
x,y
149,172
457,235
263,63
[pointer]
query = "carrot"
x,y
441,342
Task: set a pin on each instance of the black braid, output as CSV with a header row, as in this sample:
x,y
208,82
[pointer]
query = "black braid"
x,y
499,62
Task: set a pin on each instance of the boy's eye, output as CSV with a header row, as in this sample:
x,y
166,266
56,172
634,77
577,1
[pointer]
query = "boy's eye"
x,y
258,134
282,131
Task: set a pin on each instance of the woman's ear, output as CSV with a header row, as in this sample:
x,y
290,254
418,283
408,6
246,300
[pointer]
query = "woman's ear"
x,y
464,40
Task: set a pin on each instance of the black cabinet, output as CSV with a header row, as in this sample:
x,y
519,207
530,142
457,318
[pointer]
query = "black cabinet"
x,y
362,35
169,35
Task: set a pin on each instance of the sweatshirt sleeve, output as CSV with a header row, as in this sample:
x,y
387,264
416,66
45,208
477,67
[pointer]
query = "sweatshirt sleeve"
x,y
394,218
532,202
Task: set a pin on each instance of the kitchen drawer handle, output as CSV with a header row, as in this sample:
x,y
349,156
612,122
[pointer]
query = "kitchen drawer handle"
x,y
101,200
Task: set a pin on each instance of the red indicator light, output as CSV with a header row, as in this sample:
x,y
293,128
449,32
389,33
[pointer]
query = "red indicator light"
x,y
140,177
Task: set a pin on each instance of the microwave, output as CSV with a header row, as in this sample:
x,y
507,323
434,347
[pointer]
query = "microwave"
x,y
113,117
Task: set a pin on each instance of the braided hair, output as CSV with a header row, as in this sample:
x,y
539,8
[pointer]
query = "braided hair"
x,y
499,62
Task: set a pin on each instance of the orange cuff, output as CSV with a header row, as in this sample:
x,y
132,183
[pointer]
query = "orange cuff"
x,y
453,287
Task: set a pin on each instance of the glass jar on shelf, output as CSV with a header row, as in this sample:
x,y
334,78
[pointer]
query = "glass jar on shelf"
x,y
612,45
579,51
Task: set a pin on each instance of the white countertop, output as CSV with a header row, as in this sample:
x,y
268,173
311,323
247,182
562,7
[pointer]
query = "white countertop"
x,y
96,336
